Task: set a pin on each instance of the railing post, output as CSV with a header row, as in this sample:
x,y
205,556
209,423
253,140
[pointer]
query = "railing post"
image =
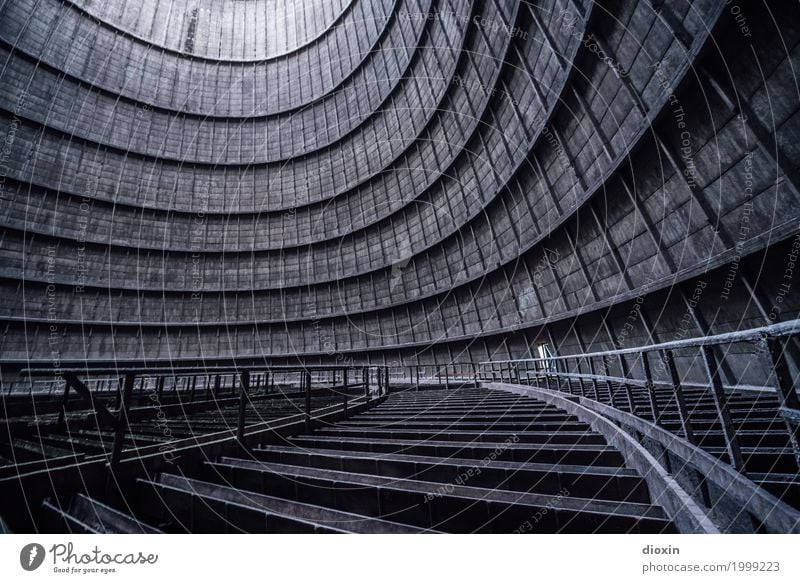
x,y
683,411
546,371
386,387
62,414
344,391
594,378
578,371
244,386
568,375
118,396
307,383
191,392
721,404
651,389
609,384
787,392
122,419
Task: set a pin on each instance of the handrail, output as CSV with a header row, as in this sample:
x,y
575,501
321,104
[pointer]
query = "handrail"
x,y
782,329
673,484
620,389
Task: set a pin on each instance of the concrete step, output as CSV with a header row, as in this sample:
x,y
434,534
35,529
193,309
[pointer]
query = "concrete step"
x,y
593,455
461,410
475,417
431,505
199,506
89,516
582,481
487,436
468,425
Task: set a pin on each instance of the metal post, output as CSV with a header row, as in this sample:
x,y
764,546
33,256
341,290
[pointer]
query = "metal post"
x,y
307,378
568,375
787,392
122,419
721,404
244,386
683,411
194,384
593,372
62,414
651,389
580,378
344,391
118,399
683,415
609,384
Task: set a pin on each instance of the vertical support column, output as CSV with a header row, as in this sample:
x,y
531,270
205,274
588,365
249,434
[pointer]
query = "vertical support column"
x,y
365,377
217,384
721,404
122,419
386,384
244,389
194,385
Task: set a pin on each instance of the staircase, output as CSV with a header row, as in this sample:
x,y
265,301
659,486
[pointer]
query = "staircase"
x,y
764,438
458,460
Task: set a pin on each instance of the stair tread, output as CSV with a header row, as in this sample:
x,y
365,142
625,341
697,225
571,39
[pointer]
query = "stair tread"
x,y
310,513
607,471
580,505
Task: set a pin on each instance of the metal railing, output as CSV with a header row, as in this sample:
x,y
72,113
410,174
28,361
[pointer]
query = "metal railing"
x,y
591,375
227,383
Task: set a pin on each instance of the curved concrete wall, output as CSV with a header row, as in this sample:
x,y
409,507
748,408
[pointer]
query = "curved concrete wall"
x,y
418,180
